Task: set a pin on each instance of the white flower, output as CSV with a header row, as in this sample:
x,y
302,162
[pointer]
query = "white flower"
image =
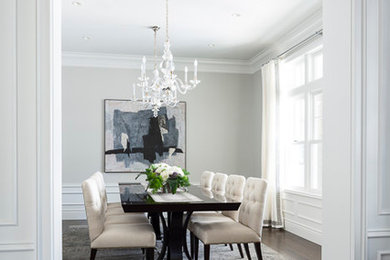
x,y
160,167
165,175
178,170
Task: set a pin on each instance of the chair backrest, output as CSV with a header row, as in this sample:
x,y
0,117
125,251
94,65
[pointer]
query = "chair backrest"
x,y
251,212
102,188
234,191
205,180
93,207
219,182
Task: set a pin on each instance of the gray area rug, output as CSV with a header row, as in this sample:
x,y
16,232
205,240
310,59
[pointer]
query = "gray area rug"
x,y
76,245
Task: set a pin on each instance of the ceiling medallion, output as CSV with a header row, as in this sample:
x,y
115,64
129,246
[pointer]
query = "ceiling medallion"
x,y
159,91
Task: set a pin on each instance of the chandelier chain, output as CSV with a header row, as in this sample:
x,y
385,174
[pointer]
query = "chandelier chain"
x,y
155,48
166,20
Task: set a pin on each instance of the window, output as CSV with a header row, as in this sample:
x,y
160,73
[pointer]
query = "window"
x,y
300,100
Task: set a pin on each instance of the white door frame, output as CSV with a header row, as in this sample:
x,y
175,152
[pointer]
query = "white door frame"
x,y
349,16
344,159
49,152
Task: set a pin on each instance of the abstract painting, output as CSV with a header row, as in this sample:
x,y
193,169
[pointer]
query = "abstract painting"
x,y
134,139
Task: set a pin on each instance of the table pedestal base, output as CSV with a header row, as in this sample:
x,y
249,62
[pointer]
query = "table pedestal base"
x,y
175,239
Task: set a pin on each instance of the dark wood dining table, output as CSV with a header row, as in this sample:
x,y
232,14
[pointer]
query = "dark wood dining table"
x,y
178,214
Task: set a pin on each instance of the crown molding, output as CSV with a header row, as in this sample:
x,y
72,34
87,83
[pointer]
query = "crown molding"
x,y
302,31
104,60
107,60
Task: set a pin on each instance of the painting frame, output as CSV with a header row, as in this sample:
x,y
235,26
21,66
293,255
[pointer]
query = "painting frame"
x,y
105,101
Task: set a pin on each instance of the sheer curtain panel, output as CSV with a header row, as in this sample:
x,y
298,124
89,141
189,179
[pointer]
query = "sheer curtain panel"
x,y
270,144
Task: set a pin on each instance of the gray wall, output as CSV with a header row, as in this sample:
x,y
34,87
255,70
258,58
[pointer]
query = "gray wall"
x,y
223,122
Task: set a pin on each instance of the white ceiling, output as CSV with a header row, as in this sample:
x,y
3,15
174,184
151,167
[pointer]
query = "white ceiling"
x,y
120,26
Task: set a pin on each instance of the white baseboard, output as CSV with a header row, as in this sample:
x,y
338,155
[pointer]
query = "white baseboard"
x,y
303,231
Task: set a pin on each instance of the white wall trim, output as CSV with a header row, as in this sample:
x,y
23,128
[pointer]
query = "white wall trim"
x,y
380,254
378,233
13,220
304,194
17,246
298,34
305,231
49,129
381,211
106,60
76,189
250,66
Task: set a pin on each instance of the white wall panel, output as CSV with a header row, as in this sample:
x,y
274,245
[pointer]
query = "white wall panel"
x,y
378,134
8,114
18,145
384,107
303,215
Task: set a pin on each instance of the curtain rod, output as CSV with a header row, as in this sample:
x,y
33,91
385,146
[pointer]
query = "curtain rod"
x,y
296,46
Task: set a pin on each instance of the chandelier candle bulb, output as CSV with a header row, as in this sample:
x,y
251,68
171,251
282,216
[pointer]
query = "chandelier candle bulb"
x,y
143,66
195,70
185,74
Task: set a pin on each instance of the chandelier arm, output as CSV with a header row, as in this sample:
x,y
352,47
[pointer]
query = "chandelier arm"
x,y
180,86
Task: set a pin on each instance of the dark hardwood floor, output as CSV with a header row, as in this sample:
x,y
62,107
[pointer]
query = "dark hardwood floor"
x,y
290,245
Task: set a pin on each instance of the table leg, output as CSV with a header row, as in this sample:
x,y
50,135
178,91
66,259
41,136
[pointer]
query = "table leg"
x,y
166,238
175,244
174,231
189,213
154,218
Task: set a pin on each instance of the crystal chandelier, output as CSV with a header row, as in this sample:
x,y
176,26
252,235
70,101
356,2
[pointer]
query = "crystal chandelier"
x,y
162,90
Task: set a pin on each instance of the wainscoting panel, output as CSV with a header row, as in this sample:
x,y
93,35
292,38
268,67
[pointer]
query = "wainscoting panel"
x,y
8,115
303,215
378,134
72,200
18,131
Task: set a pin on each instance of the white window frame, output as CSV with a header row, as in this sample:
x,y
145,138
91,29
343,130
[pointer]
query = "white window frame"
x,y
308,91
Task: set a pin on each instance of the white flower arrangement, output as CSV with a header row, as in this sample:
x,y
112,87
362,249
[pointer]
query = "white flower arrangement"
x,y
166,177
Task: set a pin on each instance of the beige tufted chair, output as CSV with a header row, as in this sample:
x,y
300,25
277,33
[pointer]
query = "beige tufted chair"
x,y
227,231
219,182
206,179
109,235
218,189
114,213
103,194
234,191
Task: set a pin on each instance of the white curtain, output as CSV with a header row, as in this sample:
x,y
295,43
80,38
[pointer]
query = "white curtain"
x,y
270,144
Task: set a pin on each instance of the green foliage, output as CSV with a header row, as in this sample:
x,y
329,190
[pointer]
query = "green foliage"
x,y
156,182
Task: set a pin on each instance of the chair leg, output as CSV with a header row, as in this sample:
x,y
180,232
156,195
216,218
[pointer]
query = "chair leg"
x,y
143,250
93,254
248,254
149,253
240,250
258,251
192,243
206,252
196,247
231,247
